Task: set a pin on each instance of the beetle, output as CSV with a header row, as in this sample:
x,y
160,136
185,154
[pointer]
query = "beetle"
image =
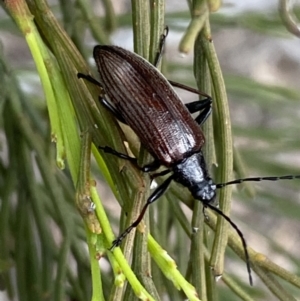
x,y
141,97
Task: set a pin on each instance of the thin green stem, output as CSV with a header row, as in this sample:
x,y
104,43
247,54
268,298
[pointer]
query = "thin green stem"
x,y
224,148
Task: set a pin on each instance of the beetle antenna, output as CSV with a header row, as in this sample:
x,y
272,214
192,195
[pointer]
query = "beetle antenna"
x,y
239,232
239,181
258,179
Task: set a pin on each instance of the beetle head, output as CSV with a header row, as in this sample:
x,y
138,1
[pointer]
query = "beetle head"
x,y
204,191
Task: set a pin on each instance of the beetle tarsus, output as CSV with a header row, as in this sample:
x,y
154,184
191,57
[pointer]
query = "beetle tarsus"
x,y
117,242
161,46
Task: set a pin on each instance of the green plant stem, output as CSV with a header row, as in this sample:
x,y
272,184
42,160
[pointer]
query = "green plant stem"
x,y
200,15
97,294
223,147
203,82
273,285
287,18
83,195
168,267
265,263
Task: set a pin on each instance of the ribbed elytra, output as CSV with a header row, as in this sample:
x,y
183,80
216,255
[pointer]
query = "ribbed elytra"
x,y
141,97
138,91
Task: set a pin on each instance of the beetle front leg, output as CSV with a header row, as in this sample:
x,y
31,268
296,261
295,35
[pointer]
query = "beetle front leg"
x,y
157,193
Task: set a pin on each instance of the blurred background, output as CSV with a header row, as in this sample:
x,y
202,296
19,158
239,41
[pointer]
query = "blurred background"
x,y
260,61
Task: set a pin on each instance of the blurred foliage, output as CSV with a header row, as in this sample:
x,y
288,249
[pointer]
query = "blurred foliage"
x,y
43,239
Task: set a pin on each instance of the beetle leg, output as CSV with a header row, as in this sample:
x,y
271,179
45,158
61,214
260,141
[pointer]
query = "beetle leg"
x,y
89,79
158,192
198,105
146,168
160,174
201,118
187,88
112,109
204,105
113,152
162,42
150,166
